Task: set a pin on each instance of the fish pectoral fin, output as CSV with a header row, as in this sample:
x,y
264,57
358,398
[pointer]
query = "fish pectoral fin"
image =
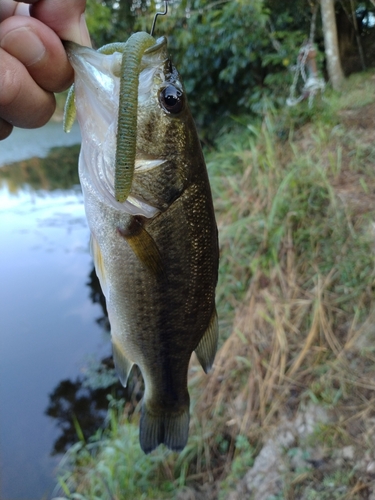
x,y
122,364
207,346
99,263
171,429
143,245
69,111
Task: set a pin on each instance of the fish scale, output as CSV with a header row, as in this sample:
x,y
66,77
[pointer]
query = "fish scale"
x,y
156,254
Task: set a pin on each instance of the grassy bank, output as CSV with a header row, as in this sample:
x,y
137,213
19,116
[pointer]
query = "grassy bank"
x,y
295,204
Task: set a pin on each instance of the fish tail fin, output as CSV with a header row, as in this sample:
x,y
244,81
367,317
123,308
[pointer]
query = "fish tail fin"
x,y
172,429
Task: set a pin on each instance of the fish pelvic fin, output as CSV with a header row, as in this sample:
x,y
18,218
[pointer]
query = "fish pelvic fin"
x,y
207,346
143,245
171,429
122,364
99,263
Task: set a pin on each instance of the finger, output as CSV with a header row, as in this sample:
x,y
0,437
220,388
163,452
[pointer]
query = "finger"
x,y
5,129
39,49
10,8
66,18
22,102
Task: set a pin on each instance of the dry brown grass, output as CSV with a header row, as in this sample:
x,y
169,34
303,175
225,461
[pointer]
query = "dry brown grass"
x,y
296,336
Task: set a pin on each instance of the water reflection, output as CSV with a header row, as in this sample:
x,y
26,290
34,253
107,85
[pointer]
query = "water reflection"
x,y
51,322
83,402
23,144
80,406
73,404
57,171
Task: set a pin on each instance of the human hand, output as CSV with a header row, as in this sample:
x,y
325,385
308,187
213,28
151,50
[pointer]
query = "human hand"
x,y
33,62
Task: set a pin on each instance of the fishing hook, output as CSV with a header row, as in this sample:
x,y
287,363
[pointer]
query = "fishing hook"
x,y
159,14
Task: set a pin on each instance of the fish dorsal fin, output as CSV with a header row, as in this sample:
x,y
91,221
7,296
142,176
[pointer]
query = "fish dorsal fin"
x,y
122,364
99,263
207,346
143,245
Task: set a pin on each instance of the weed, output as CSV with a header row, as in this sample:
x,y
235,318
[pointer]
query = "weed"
x,y
112,465
242,460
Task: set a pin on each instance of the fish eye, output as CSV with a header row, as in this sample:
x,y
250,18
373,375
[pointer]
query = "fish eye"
x,y
171,99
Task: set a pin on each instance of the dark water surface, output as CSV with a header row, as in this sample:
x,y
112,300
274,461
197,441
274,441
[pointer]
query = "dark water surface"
x,y
48,319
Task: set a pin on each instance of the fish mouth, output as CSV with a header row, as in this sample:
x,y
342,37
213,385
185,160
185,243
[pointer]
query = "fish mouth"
x,y
68,45
99,74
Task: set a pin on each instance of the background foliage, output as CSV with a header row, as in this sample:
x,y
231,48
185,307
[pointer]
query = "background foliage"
x,y
293,195
235,56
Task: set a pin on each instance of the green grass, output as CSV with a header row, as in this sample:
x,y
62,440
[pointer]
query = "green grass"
x,y
111,465
295,210
357,91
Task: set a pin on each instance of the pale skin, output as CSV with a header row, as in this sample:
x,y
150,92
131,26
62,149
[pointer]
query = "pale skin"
x,y
33,62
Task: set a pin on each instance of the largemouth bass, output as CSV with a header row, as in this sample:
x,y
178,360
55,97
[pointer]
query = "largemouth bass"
x,y
153,233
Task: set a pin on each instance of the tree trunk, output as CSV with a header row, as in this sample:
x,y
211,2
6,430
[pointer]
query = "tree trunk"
x,y
331,45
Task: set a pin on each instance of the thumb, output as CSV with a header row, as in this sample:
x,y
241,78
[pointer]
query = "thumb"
x,y
66,19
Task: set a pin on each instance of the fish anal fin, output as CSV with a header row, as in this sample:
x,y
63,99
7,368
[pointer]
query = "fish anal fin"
x,y
99,263
143,245
171,429
207,346
122,364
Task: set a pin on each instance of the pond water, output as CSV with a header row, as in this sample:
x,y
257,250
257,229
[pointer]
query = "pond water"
x,y
23,144
51,320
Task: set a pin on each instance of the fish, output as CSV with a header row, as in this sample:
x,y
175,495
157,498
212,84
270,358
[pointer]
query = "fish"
x,y
149,207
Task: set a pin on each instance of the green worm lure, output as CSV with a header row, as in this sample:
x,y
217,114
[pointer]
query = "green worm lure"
x,y
132,52
127,115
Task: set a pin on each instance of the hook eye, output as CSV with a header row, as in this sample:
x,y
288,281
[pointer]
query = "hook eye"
x,y
159,14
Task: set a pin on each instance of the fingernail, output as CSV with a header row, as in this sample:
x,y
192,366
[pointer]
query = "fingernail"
x,y
85,36
78,32
25,45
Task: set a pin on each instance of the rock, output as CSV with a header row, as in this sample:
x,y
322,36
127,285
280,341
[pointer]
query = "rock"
x,y
186,494
348,452
306,420
298,460
239,494
265,478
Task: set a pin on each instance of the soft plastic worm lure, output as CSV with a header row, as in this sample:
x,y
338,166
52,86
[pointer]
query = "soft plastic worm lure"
x,y
132,52
135,47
